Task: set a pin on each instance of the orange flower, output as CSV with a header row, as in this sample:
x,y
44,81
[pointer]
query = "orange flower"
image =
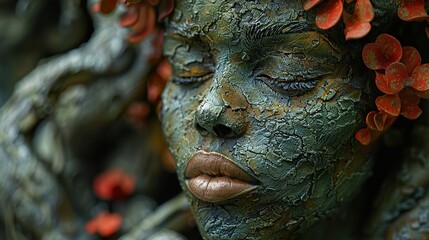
x,y
413,10
105,224
137,114
114,184
329,14
157,81
403,79
140,16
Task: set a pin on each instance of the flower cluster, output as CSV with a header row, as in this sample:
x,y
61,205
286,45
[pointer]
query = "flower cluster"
x,y
138,112
111,185
357,25
140,16
401,77
399,73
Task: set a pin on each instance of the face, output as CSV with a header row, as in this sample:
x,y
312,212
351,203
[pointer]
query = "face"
x,y
260,117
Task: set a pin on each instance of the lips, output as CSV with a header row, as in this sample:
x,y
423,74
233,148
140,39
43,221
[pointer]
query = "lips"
x,y
213,177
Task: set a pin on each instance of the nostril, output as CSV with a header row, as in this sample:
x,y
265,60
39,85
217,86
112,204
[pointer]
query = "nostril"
x,y
200,128
222,130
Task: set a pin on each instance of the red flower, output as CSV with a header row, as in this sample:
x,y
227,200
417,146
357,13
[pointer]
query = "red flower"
x,y
357,24
114,184
379,120
157,81
385,51
413,10
105,224
364,136
400,75
106,6
137,114
140,16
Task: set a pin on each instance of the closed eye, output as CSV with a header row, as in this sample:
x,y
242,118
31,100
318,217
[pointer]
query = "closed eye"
x,y
297,86
290,87
192,80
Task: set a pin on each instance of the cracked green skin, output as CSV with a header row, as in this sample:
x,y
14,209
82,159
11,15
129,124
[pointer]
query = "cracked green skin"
x,y
227,97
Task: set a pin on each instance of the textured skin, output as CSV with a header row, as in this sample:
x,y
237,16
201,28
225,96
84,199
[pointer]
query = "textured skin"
x,y
285,108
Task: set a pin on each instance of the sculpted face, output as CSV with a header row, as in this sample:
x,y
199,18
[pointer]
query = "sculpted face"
x,y
260,117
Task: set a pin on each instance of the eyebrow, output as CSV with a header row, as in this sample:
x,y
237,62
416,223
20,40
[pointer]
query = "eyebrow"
x,y
186,29
256,32
253,32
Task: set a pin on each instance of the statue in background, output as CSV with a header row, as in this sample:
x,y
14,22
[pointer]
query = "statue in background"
x,y
81,149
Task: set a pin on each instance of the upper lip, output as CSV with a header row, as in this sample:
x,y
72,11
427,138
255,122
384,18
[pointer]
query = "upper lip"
x,y
213,177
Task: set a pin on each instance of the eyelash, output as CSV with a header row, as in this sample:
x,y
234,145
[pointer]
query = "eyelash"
x,y
297,86
289,87
187,81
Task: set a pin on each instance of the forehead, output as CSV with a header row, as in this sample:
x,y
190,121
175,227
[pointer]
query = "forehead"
x,y
232,18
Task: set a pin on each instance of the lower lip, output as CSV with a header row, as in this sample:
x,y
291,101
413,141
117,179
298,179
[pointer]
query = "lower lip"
x,y
217,189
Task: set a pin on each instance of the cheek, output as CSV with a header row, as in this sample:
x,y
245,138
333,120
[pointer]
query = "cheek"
x,y
295,143
177,122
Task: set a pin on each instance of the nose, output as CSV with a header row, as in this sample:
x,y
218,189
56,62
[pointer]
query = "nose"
x,y
219,117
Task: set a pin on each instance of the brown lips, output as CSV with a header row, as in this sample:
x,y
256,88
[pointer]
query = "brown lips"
x,y
213,177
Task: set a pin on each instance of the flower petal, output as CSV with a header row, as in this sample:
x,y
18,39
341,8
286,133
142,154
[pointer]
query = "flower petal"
x,y
409,97
380,120
141,24
363,136
308,4
153,2
390,47
373,57
165,8
130,17
165,70
412,10
329,14
396,74
411,112
109,224
409,104
423,94
411,58
95,8
420,77
385,51
390,104
91,226
107,6
370,120
364,10
113,184
389,122
355,29
148,26
382,83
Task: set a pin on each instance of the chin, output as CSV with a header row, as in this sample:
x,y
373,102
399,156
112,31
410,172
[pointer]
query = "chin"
x,y
240,219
